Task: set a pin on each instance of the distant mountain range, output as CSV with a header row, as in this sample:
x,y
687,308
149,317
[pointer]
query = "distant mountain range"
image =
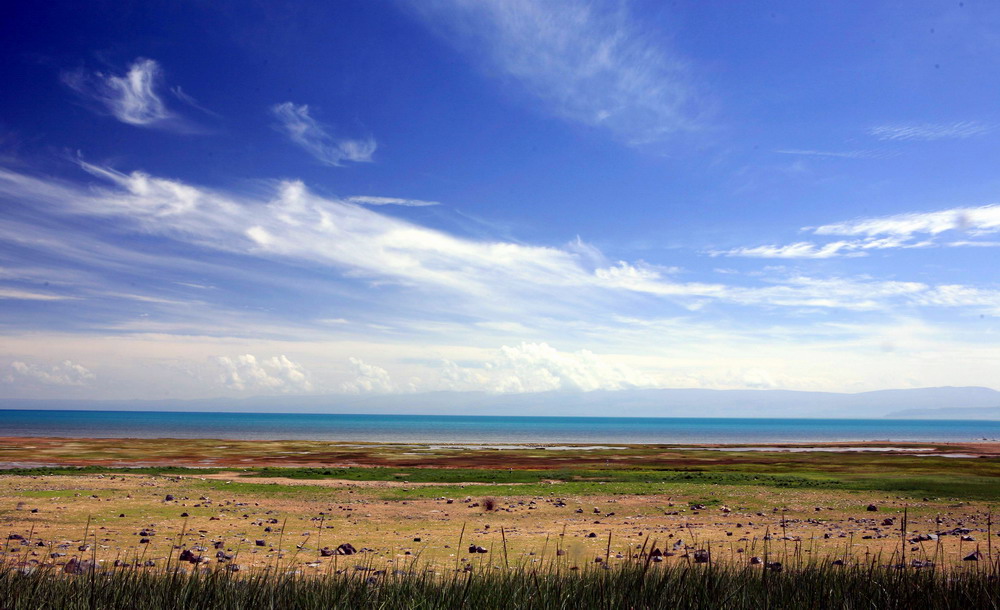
x,y
920,403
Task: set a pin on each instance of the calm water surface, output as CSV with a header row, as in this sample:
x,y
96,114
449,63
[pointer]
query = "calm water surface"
x,y
474,429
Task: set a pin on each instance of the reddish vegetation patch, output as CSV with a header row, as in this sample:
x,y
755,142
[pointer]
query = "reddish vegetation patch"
x,y
226,453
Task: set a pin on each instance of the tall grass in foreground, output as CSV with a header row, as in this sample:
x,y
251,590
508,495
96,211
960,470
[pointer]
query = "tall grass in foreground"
x,y
633,585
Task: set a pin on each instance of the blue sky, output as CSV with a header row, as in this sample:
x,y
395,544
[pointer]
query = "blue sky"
x,y
211,199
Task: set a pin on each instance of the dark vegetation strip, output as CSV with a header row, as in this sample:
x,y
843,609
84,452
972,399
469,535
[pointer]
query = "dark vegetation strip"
x,y
637,585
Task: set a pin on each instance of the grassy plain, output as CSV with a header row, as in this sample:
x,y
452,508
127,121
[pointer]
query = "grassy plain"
x,y
267,503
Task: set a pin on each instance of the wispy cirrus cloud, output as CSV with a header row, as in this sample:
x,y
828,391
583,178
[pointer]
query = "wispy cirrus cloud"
x,y
852,294
368,200
29,295
133,97
482,278
802,249
843,154
316,139
586,61
902,132
979,220
909,230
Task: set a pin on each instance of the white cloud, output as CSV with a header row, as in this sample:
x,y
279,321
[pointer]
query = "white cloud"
x,y
132,98
368,379
300,225
956,295
66,373
972,220
539,367
910,230
586,61
481,278
312,136
367,200
929,131
802,249
857,294
845,154
247,373
28,295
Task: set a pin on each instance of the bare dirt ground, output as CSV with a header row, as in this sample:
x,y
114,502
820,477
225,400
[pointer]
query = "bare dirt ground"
x,y
279,522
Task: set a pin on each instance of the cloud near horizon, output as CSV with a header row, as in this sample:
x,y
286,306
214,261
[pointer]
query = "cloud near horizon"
x,y
247,373
66,373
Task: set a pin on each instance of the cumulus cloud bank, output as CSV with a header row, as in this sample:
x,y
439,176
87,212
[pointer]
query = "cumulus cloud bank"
x,y
539,367
247,373
527,367
368,379
66,373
